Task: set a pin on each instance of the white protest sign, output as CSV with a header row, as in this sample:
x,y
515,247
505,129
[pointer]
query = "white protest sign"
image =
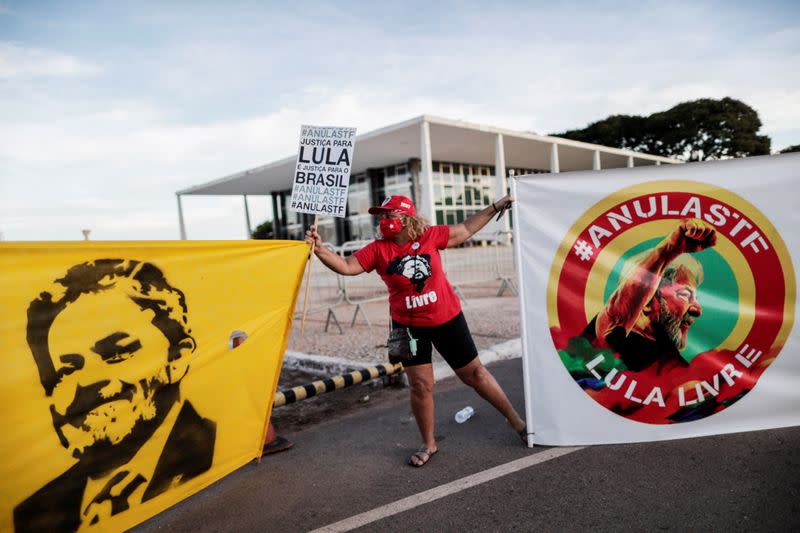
x,y
322,173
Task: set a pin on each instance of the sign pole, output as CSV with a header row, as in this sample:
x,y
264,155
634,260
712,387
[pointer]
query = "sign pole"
x,y
308,278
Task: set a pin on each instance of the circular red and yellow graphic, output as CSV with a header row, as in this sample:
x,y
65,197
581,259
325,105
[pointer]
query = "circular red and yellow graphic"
x,y
668,300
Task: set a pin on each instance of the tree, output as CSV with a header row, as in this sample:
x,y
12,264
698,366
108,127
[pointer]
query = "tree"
x,y
789,149
692,131
263,231
620,131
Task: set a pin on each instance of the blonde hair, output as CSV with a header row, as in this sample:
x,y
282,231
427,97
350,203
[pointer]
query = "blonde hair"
x,y
415,225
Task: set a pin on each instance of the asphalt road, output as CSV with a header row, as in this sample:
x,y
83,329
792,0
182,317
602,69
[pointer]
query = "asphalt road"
x,y
355,463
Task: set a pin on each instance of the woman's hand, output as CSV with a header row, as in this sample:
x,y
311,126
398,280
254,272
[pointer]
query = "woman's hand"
x,y
504,202
348,266
461,232
312,237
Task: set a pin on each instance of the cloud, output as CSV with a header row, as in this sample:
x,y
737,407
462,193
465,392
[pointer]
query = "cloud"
x,y
18,61
116,169
178,98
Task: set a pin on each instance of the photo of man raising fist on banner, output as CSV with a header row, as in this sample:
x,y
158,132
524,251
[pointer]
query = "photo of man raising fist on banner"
x,y
648,316
669,300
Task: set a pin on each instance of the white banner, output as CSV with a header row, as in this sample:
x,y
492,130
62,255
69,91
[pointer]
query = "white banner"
x,y
322,172
659,302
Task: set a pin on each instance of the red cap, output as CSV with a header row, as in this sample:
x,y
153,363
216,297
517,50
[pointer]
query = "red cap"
x,y
397,203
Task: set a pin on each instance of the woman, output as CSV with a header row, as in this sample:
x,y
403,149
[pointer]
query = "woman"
x,y
406,256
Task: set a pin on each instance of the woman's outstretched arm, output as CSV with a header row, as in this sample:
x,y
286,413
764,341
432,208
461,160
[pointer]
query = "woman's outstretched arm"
x,y
347,266
461,232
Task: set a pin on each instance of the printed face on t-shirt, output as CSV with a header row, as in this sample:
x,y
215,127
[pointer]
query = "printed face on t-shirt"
x,y
416,268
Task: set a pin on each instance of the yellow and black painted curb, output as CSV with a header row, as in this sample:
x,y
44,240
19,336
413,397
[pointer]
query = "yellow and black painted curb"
x,y
287,396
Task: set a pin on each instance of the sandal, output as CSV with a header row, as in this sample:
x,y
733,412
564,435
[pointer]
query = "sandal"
x,y
523,434
423,455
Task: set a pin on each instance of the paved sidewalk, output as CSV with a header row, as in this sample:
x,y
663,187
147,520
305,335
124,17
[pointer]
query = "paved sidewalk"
x,y
492,320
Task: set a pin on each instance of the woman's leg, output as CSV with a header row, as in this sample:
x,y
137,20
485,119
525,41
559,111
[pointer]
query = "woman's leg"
x,y
479,378
420,380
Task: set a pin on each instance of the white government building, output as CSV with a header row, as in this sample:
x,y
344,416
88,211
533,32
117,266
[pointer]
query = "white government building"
x,y
449,168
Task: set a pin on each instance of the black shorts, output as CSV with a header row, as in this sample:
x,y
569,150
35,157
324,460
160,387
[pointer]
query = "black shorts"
x,y
451,339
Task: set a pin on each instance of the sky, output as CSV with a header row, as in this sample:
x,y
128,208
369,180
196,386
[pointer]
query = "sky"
x,y
108,108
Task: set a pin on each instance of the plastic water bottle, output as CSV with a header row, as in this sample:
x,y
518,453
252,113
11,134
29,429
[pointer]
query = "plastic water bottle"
x,y
464,414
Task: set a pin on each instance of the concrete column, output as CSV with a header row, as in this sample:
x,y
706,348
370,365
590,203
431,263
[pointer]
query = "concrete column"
x,y
180,218
425,205
554,166
501,183
248,226
658,163
630,161
277,219
596,160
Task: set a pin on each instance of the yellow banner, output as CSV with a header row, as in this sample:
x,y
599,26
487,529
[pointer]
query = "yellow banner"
x,y
126,384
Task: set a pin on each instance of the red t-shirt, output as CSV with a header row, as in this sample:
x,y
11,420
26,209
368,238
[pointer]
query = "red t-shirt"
x,y
419,293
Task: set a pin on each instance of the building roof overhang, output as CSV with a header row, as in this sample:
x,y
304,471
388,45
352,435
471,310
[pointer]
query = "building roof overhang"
x,y
451,140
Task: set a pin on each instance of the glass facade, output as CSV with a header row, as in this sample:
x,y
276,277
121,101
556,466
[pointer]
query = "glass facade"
x,y
359,200
293,221
520,171
398,179
460,190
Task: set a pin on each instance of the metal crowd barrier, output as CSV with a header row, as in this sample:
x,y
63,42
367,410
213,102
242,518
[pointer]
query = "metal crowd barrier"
x,y
330,293
505,263
477,266
481,264
364,288
326,288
